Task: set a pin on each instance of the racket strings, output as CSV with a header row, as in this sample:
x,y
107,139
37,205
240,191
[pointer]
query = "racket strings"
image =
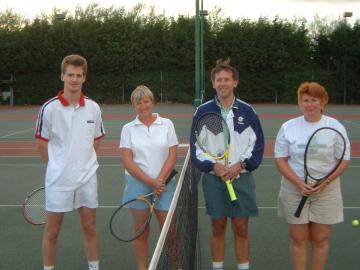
x,y
324,152
34,208
323,155
131,220
212,134
212,123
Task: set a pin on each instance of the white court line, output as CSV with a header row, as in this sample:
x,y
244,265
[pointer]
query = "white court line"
x,y
21,165
113,165
42,165
14,112
199,207
30,147
12,148
183,145
111,157
17,132
351,122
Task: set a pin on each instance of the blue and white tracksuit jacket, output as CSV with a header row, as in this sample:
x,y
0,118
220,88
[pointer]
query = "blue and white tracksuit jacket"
x,y
246,136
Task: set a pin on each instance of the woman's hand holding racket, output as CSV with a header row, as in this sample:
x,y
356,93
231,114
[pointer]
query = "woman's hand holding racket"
x,y
304,188
158,186
324,153
317,189
131,219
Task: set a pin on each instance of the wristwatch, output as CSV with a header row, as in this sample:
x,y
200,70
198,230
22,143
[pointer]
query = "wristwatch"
x,y
243,165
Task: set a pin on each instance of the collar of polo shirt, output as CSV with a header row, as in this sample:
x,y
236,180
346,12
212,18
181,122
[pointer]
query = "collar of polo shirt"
x,y
157,120
65,103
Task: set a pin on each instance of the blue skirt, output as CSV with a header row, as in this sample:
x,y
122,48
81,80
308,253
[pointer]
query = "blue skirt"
x,y
135,188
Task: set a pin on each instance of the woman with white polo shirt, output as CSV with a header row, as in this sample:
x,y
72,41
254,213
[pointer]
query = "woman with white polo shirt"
x,y
148,146
324,206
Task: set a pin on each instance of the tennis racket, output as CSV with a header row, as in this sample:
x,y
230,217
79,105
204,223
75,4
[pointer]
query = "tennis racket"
x,y
323,145
33,208
213,137
132,218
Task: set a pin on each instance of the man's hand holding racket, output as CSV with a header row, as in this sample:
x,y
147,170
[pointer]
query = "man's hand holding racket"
x,y
231,172
213,138
220,170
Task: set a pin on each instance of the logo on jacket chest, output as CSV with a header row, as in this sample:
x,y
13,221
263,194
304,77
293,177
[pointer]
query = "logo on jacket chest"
x,y
240,120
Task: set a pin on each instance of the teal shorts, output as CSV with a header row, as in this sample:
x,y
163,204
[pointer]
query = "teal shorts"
x,y
217,199
135,188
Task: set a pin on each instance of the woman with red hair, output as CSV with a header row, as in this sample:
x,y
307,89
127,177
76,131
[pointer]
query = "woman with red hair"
x,y
324,205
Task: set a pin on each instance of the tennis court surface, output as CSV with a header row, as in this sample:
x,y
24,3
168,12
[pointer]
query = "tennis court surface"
x,y
22,171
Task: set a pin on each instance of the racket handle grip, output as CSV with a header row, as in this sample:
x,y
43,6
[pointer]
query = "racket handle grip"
x,y
172,174
301,206
231,190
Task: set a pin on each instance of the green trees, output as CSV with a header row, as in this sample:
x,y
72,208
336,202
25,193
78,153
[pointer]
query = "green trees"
x,y
127,48
336,55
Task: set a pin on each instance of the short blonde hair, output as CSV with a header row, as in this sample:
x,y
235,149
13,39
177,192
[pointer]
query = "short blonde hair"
x,y
141,92
313,89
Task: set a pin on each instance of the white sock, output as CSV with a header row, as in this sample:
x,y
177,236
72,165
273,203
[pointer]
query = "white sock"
x,y
48,267
243,266
94,265
218,265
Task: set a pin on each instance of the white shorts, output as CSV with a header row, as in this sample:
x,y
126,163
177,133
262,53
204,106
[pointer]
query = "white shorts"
x,y
323,208
66,201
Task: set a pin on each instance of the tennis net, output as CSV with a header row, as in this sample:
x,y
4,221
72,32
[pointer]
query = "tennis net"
x,y
178,246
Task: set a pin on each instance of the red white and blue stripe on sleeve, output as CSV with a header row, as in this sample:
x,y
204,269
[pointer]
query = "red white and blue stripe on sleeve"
x,y
41,131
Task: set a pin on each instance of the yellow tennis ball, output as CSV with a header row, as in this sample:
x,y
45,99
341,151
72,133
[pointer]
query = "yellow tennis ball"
x,y
355,222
